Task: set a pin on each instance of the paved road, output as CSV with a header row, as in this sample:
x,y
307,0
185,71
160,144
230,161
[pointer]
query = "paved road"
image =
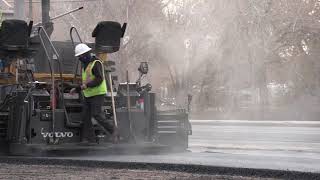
x,y
290,145
285,145
239,136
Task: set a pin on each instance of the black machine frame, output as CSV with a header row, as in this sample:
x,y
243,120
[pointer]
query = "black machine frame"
x,y
39,118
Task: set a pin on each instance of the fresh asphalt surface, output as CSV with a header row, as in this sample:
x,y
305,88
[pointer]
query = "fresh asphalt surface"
x,y
277,145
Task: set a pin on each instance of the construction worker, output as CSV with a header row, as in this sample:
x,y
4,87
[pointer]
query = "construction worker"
x,y
94,89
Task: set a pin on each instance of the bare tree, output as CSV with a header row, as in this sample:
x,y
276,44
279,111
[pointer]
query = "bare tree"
x,y
216,50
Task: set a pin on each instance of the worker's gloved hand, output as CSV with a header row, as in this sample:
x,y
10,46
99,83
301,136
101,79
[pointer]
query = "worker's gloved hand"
x,y
73,90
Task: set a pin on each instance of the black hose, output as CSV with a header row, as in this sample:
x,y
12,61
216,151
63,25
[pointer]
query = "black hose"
x,y
7,98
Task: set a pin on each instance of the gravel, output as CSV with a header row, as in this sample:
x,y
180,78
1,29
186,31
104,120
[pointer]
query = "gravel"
x,y
53,168
24,171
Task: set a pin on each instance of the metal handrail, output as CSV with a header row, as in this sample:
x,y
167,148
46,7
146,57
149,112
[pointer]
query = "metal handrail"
x,y
74,46
68,123
52,96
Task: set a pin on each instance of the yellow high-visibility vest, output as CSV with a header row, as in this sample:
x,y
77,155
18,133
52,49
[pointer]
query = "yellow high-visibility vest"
x,y
88,76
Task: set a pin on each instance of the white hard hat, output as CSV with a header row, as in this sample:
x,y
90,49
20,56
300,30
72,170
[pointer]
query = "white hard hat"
x,y
81,49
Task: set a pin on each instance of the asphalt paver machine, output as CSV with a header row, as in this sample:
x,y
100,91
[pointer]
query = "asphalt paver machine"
x,y
38,115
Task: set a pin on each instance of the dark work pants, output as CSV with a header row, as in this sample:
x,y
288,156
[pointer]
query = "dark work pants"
x,y
93,109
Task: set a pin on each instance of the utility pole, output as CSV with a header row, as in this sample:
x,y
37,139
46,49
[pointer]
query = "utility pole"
x,y
45,7
128,4
30,10
19,9
48,26
46,23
